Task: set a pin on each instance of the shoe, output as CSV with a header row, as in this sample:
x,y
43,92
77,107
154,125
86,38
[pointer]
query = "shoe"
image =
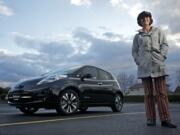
x,y
168,124
151,122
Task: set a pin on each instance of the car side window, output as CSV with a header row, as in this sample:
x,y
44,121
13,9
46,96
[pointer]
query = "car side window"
x,y
105,75
90,70
110,77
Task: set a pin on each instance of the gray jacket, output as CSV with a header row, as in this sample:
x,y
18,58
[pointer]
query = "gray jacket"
x,y
149,52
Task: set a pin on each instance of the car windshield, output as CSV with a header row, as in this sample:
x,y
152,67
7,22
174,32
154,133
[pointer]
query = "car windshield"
x,y
65,71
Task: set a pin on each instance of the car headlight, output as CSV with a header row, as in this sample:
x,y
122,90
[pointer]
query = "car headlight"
x,y
52,78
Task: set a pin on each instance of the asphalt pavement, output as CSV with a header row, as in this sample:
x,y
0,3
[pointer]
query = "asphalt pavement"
x,y
96,121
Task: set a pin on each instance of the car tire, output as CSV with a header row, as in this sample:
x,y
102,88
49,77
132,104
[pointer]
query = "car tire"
x,y
117,103
83,108
28,110
68,102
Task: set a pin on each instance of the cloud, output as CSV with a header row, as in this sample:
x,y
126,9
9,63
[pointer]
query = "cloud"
x,y
108,50
165,12
111,35
84,47
62,49
5,10
119,3
132,8
105,52
175,38
81,2
15,67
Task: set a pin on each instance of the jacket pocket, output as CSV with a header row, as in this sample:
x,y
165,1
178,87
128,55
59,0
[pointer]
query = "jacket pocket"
x,y
157,57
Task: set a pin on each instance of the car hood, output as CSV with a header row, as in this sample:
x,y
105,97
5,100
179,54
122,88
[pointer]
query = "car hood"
x,y
27,84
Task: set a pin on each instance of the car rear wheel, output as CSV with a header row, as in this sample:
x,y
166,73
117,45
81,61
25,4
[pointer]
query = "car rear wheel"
x,y
117,103
28,110
68,102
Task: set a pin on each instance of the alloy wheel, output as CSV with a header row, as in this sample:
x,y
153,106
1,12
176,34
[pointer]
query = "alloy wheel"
x,y
69,102
118,103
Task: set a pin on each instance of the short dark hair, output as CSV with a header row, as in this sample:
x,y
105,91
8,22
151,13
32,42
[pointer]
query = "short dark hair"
x,y
142,15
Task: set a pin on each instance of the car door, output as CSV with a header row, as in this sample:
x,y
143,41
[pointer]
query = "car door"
x,y
89,86
106,85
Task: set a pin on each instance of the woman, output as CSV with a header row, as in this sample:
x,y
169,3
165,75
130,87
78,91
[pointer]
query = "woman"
x,y
149,52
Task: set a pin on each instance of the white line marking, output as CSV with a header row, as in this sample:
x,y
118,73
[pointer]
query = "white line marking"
x,y
66,119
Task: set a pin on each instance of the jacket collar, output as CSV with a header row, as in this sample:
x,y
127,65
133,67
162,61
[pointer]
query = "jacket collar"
x,y
147,33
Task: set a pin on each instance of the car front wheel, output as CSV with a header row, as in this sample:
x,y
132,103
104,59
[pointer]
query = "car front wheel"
x,y
117,103
68,102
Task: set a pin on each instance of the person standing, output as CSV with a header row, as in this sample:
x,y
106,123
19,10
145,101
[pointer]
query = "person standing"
x,y
149,52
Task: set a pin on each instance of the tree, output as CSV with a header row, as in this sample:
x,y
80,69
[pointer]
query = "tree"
x,y
126,81
3,92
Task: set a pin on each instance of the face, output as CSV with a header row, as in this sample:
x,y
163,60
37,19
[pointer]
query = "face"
x,y
146,21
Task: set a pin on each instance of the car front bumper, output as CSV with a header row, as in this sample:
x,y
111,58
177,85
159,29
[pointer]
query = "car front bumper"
x,y
39,97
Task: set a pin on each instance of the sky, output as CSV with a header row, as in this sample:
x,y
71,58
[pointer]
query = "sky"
x,y
40,35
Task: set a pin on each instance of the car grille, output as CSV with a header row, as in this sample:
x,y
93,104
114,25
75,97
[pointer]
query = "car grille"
x,y
24,96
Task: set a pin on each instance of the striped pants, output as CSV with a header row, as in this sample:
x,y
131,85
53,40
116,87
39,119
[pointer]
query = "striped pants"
x,y
156,86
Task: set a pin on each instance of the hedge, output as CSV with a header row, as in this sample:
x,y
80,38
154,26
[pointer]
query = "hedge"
x,y
172,98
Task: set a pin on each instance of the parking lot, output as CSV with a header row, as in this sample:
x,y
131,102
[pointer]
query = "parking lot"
x,y
96,121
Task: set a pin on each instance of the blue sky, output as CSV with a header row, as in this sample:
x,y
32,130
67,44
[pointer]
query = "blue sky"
x,y
40,35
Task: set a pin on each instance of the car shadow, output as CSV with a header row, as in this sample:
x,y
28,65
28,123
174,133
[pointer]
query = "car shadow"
x,y
77,114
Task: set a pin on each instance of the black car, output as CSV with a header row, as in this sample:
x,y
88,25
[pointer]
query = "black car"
x,y
67,91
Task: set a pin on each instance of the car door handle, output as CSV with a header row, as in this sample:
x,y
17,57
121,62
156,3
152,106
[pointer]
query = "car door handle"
x,y
100,83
